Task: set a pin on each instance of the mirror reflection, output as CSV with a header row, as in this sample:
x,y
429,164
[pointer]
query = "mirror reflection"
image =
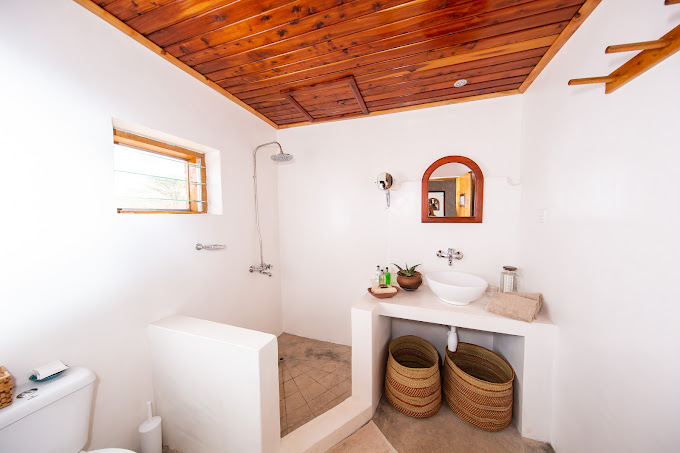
x,y
384,181
451,191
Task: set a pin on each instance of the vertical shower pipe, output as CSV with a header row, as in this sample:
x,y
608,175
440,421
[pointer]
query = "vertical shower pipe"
x,y
280,157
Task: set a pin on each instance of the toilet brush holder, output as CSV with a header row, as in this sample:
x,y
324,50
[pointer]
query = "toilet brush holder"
x,y
150,433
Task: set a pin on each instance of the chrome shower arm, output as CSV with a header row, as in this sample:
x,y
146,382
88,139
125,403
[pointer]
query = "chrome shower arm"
x,y
267,144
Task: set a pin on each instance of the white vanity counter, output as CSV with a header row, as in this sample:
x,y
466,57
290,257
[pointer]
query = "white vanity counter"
x,y
424,305
529,347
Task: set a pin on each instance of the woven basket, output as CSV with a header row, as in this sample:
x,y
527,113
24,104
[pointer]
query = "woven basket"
x,y
412,379
478,386
5,388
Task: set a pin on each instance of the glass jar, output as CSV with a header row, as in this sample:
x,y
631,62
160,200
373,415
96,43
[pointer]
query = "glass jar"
x,y
509,279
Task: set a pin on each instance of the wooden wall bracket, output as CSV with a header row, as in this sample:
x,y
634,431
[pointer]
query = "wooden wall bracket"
x,y
653,52
296,104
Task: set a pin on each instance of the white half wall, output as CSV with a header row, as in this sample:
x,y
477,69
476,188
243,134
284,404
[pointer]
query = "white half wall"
x,y
605,167
335,228
80,282
216,386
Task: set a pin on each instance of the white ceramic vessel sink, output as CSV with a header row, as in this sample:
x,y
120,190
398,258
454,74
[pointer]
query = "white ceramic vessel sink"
x,y
456,288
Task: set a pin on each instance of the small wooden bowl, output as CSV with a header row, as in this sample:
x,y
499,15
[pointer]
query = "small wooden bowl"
x,y
384,296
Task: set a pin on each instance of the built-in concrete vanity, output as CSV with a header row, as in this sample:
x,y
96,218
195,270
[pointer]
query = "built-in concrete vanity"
x,y
529,348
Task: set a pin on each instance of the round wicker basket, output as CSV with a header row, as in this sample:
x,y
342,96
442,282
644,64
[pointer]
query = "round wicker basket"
x,y
478,386
412,379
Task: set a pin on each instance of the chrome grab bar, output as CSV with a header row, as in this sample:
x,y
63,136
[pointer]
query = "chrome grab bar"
x,y
210,247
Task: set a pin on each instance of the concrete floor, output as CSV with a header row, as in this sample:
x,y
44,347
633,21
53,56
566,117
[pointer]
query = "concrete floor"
x,y
368,439
314,376
446,433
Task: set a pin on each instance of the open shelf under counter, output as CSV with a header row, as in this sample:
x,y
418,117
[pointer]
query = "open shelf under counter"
x,y
529,347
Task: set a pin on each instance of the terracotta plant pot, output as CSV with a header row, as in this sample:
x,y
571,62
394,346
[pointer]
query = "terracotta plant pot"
x,y
410,283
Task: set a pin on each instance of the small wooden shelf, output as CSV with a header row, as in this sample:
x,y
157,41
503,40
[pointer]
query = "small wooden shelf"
x,y
652,53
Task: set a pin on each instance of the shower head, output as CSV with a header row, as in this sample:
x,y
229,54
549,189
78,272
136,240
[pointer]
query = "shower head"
x,y
282,157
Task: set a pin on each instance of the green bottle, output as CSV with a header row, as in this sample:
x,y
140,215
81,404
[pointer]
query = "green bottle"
x,y
388,276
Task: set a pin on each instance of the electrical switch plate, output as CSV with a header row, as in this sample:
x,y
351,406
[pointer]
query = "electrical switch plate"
x,y
542,216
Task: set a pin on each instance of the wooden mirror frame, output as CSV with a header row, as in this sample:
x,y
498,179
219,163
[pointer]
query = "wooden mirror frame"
x,y
479,191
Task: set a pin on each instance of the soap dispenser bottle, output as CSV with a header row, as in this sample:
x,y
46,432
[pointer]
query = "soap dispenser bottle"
x,y
388,276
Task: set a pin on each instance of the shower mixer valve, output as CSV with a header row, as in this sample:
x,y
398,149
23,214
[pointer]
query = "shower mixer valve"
x,y
262,269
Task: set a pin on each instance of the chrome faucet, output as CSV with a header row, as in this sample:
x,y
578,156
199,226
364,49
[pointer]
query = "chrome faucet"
x,y
451,254
263,269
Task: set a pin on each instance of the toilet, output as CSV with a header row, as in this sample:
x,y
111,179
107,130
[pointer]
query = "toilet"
x,y
53,417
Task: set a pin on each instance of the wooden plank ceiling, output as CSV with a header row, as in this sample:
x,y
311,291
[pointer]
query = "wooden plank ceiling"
x,y
302,61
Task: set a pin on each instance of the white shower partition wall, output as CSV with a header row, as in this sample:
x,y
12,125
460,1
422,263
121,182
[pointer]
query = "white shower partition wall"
x,y
215,386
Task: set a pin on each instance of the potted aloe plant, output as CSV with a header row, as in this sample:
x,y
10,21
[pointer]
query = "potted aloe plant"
x,y
408,278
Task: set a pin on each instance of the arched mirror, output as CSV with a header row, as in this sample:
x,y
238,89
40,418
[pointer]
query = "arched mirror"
x,y
453,190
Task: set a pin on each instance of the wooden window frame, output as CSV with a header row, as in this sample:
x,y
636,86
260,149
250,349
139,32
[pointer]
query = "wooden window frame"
x,y
157,147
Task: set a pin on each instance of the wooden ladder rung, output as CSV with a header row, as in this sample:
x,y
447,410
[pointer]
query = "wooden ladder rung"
x,y
672,2
652,53
645,45
589,80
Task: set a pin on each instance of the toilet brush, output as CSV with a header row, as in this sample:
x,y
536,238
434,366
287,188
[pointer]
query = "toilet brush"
x,y
150,435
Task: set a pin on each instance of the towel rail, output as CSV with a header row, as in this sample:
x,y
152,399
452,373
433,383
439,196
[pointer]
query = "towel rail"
x,y
200,246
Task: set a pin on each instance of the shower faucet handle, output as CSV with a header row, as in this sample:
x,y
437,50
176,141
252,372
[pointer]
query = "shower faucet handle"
x,y
263,269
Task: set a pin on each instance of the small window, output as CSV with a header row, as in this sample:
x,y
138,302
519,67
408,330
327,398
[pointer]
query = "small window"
x,y
156,177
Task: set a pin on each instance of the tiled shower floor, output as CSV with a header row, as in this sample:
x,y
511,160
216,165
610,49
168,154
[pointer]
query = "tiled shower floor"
x,y
314,376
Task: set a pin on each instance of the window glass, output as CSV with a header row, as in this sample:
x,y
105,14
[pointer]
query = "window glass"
x,y
150,181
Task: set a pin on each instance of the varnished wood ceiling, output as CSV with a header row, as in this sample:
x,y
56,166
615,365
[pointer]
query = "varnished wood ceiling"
x,y
294,62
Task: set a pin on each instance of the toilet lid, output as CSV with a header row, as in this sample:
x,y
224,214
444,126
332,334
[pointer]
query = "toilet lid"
x,y
111,450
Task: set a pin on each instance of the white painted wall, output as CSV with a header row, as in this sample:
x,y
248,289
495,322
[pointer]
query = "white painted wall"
x,y
606,169
333,223
78,281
